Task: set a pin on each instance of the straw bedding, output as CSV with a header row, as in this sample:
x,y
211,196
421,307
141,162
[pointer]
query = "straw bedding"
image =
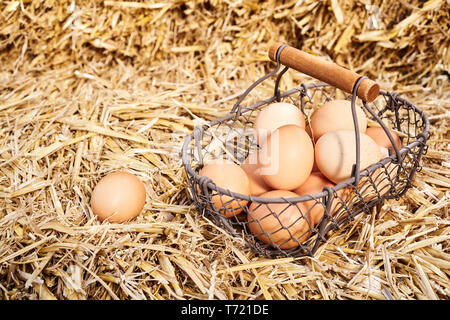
x,y
89,87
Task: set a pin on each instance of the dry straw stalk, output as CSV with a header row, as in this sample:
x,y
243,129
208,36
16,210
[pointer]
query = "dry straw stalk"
x,y
88,87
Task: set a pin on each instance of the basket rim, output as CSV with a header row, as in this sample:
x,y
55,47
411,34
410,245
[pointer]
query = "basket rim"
x,y
341,185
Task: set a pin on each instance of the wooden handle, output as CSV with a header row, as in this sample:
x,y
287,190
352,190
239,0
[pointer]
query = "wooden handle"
x,y
325,71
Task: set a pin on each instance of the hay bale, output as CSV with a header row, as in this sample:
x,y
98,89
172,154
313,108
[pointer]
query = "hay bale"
x,y
88,87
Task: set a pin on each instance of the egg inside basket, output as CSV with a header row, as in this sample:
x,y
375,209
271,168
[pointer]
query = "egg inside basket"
x,y
294,219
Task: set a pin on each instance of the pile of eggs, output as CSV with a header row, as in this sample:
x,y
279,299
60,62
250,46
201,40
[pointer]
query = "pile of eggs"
x,y
295,158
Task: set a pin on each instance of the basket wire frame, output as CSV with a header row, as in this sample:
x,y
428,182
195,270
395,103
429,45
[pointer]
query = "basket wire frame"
x,y
232,136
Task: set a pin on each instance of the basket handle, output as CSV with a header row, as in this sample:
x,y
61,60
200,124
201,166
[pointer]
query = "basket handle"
x,y
324,70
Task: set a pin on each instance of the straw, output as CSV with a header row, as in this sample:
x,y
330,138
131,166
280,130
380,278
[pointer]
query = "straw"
x,y
91,87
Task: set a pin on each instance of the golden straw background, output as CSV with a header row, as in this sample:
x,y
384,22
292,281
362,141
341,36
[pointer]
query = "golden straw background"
x,y
90,87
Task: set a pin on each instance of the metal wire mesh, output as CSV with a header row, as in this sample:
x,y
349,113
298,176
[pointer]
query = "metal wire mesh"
x,y
300,223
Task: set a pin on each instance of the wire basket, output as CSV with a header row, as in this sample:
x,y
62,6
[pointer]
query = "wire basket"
x,y
232,136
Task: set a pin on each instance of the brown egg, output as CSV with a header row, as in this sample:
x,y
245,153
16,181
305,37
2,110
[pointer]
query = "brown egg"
x,y
336,115
276,115
314,184
230,176
335,154
383,179
286,158
380,137
343,200
279,224
257,184
386,177
118,197
368,189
